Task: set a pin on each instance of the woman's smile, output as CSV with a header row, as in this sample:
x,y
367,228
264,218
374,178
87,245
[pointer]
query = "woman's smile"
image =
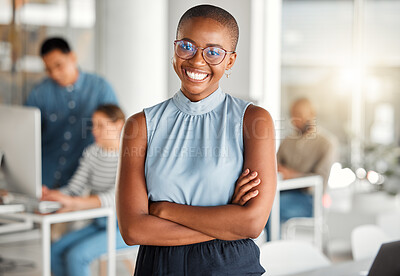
x,y
195,75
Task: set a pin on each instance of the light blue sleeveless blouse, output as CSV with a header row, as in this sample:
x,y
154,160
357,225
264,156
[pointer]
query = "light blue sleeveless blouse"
x,y
194,149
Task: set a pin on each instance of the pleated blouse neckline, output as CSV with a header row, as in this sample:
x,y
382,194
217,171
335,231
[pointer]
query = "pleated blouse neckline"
x,y
201,107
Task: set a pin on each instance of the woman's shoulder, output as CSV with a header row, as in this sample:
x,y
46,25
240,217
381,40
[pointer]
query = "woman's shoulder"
x,y
135,121
258,119
135,128
257,112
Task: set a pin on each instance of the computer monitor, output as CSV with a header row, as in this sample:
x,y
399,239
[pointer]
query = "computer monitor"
x,y
20,147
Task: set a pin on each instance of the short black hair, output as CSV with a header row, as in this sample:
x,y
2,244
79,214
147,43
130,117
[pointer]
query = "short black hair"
x,y
54,43
216,13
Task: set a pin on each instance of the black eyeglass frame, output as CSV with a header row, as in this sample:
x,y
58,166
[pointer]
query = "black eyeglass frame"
x,y
202,51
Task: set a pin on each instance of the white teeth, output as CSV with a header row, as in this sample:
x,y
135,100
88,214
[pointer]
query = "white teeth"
x,y
196,76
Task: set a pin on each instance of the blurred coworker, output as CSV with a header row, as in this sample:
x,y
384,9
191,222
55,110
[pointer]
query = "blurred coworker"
x,y
67,100
72,254
310,151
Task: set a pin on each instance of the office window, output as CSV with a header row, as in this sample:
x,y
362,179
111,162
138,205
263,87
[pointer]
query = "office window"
x,y
316,46
327,58
382,76
23,27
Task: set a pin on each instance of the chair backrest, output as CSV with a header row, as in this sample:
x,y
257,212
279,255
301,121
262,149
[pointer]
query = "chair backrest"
x,y
366,240
390,224
291,256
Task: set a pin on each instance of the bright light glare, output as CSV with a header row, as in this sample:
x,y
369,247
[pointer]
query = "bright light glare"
x,y
351,75
361,173
381,179
373,177
340,177
373,89
349,78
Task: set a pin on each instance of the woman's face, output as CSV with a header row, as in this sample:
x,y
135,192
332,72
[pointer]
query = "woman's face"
x,y
106,132
203,32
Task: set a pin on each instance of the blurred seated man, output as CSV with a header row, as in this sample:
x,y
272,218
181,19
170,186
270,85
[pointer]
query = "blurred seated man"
x,y
308,151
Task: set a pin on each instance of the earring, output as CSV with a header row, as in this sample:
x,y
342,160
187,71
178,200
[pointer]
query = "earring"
x,y
172,60
228,73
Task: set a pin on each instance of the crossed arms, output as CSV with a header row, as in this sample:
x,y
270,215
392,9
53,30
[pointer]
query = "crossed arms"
x,y
165,223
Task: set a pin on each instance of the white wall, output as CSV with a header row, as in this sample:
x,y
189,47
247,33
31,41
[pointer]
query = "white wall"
x,y
137,46
134,51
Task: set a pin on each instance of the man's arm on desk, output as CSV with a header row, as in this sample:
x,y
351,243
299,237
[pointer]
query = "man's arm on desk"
x,y
288,173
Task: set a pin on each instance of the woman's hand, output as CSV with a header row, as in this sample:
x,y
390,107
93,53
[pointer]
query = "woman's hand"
x,y
241,196
244,184
71,203
50,194
67,201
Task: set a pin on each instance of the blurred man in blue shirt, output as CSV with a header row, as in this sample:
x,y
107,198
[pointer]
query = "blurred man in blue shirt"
x,y
67,100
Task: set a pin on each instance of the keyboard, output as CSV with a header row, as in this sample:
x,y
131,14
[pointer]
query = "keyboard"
x,y
11,208
34,204
46,207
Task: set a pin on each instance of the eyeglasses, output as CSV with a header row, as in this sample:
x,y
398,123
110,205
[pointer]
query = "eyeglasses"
x,y
212,55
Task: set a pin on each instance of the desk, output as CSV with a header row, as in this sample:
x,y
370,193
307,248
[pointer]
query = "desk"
x,y
11,208
46,220
353,268
316,182
9,226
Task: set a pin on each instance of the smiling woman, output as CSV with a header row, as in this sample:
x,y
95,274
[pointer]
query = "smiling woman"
x,y
197,173
189,63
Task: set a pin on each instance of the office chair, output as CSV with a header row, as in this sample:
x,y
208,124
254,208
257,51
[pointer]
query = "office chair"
x,y
366,240
291,256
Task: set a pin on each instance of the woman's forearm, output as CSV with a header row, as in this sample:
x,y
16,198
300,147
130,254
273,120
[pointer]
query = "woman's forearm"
x,y
87,202
227,222
150,230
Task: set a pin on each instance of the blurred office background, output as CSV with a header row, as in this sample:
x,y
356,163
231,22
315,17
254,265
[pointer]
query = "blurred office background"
x,y
342,54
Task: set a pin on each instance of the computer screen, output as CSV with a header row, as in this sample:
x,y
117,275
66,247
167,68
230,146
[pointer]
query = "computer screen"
x,y
20,147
